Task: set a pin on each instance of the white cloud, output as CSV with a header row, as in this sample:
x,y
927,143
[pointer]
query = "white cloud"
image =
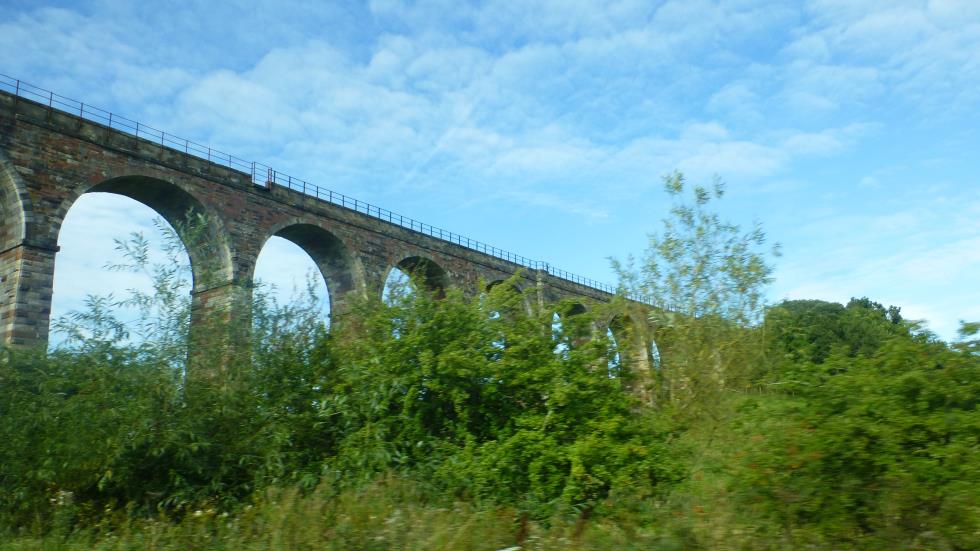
x,y
573,107
926,57
918,258
735,100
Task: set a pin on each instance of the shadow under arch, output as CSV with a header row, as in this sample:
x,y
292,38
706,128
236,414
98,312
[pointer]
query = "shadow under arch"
x,y
639,336
200,231
14,206
424,273
339,268
14,213
569,309
489,286
638,352
569,329
505,296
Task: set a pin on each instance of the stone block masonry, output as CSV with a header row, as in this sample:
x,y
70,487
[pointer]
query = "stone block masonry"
x,y
49,158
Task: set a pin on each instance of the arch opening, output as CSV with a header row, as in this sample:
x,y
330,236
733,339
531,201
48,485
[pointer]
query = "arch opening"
x,y
655,359
567,329
398,286
614,359
123,275
502,301
496,283
414,273
286,278
311,269
504,298
192,240
558,336
200,233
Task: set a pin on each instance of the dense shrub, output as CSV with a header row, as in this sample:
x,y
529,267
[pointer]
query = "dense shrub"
x,y
471,397
877,442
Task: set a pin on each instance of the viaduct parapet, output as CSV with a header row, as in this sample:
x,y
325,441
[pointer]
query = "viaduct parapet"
x,y
52,151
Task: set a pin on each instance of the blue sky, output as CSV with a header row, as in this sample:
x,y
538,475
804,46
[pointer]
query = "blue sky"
x,y
848,128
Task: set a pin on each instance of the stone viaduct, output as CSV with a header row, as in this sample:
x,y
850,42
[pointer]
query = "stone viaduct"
x,y
53,150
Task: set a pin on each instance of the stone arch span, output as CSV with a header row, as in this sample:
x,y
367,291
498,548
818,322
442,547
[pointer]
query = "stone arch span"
x,y
200,230
14,206
636,342
202,233
425,273
339,267
577,330
510,286
16,258
510,295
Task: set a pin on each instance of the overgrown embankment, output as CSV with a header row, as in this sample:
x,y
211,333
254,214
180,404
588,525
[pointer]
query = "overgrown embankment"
x,y
481,423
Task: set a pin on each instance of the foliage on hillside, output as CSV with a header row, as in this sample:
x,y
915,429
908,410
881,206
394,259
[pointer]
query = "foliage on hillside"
x,y
467,397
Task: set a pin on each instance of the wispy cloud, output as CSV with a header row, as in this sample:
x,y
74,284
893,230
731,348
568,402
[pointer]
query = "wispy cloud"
x,y
827,117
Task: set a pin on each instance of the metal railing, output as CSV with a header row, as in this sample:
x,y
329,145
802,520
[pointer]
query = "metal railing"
x,y
265,175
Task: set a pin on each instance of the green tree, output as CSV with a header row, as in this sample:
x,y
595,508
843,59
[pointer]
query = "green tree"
x,y
707,278
867,449
471,396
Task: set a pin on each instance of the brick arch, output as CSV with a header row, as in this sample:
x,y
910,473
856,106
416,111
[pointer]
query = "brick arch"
x,y
424,272
515,290
629,337
200,229
14,206
578,330
340,268
16,260
568,309
496,282
636,341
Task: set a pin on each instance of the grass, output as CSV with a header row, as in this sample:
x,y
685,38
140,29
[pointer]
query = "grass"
x,y
388,514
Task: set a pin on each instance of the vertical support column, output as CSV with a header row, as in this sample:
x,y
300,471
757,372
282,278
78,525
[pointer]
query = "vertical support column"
x,y
26,282
639,363
221,318
375,274
341,304
635,338
662,369
541,285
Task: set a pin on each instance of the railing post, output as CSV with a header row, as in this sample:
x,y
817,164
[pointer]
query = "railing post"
x,y
16,93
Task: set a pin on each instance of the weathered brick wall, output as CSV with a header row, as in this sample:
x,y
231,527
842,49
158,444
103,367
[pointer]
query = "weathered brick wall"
x,y
48,159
